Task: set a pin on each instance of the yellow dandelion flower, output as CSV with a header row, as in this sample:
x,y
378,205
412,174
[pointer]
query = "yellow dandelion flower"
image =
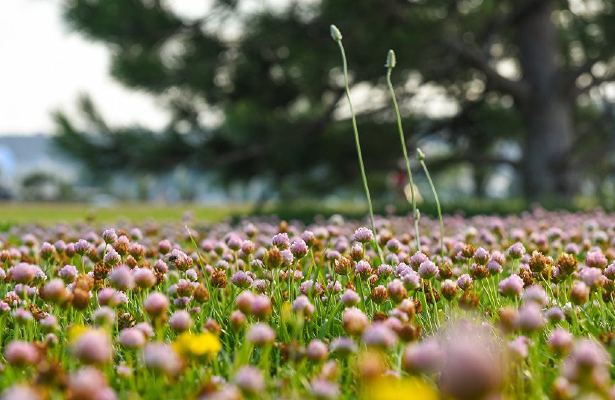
x,y
392,389
197,344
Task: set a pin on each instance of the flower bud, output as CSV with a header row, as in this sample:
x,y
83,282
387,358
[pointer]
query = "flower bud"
x,y
391,60
336,35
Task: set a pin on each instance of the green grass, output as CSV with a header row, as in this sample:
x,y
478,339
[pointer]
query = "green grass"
x,y
52,213
303,210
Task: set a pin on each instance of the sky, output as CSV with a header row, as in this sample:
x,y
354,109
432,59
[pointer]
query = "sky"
x,y
44,67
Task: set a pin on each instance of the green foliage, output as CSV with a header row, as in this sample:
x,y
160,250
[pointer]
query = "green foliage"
x,y
271,80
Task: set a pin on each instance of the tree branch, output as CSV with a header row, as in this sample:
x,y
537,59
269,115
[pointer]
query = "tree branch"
x,y
238,155
258,150
476,60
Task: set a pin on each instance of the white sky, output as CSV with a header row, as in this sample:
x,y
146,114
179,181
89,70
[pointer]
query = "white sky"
x,y
43,67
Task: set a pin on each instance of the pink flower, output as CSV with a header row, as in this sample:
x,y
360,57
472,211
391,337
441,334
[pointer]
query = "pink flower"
x,y
302,304
68,273
108,297
530,318
343,346
121,277
244,301
156,304
316,350
19,352
261,334
22,273
54,290
180,321
591,276
238,319
131,338
261,306
428,270
423,357
299,248
323,389
354,321
363,235
144,277
350,298
250,380
519,347
379,335
89,383
511,286
161,357
146,329
596,259
472,368
21,392
535,294
560,341
588,363
93,347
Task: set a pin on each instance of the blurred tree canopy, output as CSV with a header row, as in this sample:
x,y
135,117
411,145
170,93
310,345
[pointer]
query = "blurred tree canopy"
x,y
256,91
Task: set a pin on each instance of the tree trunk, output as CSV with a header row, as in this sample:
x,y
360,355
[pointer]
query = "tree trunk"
x,y
546,109
480,175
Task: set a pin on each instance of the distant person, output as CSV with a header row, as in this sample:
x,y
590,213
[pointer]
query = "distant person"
x,y
400,185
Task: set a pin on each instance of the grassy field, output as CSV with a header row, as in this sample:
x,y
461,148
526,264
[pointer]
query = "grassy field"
x,y
52,213
304,210
326,313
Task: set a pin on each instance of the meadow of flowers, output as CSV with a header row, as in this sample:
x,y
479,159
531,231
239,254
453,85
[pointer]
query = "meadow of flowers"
x,y
517,307
501,307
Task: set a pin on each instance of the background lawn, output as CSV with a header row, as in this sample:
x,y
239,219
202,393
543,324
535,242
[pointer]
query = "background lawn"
x,y
51,213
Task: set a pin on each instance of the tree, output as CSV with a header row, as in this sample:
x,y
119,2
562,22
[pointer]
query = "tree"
x,y
272,79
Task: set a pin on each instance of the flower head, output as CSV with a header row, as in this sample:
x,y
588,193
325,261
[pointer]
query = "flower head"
x,y
511,286
250,380
92,346
198,345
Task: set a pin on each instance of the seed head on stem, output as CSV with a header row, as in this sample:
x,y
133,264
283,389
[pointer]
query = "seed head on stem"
x,y
336,35
390,64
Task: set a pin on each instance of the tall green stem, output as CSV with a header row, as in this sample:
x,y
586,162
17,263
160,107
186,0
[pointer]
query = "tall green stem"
x,y
337,37
421,157
390,64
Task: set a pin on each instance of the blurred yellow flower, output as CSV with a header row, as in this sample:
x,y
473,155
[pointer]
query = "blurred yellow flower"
x,y
389,388
75,331
197,344
286,311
